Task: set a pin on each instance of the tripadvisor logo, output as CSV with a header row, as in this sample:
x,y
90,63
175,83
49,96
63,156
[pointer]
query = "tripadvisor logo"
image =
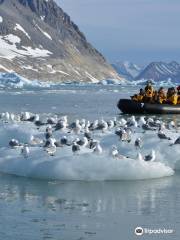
x,y
139,231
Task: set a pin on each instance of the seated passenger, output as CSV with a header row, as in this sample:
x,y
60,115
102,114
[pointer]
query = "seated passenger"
x,y
161,95
140,96
172,97
148,92
178,93
155,98
135,97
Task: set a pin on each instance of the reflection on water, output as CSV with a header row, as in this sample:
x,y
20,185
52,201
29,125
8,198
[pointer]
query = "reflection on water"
x,y
84,209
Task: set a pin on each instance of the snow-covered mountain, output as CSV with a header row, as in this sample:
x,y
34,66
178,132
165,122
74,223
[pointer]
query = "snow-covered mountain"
x,y
161,71
38,40
127,69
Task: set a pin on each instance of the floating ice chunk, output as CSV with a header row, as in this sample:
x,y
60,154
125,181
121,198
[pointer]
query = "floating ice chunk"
x,y
1,19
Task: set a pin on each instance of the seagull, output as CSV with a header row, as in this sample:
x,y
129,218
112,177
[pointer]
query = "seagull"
x,y
140,157
75,148
12,117
162,126
82,143
64,140
172,125
129,134
141,121
51,121
25,151
37,121
150,157
102,126
6,116
126,136
25,116
93,126
114,151
132,122
87,126
48,134
138,143
119,132
146,127
162,135
59,126
97,149
76,127
110,124
64,119
92,143
83,123
51,148
177,141
115,154
48,128
14,143
123,137
88,134
115,121
122,122
152,123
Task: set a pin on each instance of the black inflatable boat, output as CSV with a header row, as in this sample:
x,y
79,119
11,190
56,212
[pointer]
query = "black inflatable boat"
x,y
130,106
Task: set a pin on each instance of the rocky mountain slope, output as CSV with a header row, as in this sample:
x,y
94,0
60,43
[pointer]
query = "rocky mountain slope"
x,y
39,41
127,69
161,71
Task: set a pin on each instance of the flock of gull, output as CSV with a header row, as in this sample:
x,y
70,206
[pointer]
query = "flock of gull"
x,y
84,131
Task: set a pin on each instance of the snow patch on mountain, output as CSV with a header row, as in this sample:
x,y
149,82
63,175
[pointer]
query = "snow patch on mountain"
x,y
9,49
5,68
161,71
127,69
20,28
42,31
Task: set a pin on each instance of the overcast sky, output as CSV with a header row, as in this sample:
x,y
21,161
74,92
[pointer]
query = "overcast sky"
x,y
136,30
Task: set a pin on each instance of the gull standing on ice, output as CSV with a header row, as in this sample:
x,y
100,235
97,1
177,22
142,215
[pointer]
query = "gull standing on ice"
x,y
97,149
150,157
25,151
138,143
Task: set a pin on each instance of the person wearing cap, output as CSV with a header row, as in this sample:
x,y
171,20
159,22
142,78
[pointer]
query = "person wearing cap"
x,y
148,92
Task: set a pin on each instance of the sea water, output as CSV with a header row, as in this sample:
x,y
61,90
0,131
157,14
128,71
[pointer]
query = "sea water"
x,y
32,208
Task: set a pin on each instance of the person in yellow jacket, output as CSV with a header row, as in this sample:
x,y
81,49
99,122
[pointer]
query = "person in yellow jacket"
x,y
172,96
138,97
149,92
155,98
161,95
178,93
173,99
